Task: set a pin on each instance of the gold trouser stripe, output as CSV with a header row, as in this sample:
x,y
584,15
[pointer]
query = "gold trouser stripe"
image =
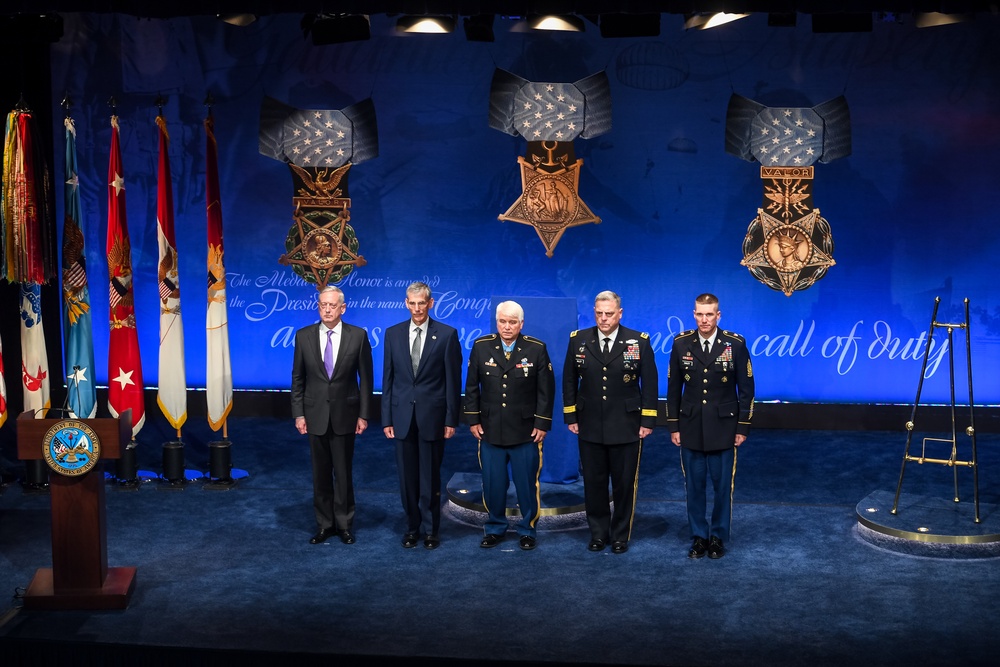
x,y
732,490
538,489
635,489
479,455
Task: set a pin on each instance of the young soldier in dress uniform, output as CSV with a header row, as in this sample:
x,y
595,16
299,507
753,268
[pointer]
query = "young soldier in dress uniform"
x,y
609,401
709,407
508,402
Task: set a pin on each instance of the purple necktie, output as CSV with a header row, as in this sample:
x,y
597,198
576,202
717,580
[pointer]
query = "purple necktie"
x,y
328,353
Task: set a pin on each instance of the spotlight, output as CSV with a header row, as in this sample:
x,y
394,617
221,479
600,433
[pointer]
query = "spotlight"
x,y
336,29
434,25
710,20
564,23
478,28
31,28
931,19
845,22
630,25
238,20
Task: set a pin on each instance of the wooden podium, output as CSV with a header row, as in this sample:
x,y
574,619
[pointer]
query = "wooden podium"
x,y
79,577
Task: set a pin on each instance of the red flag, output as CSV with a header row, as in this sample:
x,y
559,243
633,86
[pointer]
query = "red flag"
x,y
219,373
125,389
172,393
3,390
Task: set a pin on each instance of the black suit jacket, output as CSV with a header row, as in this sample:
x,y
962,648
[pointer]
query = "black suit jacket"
x,y
610,398
509,397
433,397
709,397
339,401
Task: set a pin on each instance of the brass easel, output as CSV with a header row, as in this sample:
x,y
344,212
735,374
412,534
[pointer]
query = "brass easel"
x,y
970,430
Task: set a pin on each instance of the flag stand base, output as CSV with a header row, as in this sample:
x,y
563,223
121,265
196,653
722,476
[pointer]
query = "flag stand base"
x,y
126,470
220,466
173,463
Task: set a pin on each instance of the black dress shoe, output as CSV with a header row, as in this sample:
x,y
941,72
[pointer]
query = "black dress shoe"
x,y
527,542
410,540
619,547
431,542
323,535
698,548
596,544
347,537
490,541
715,548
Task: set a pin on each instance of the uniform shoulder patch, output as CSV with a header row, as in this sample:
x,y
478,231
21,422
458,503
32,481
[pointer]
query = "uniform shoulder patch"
x,y
573,335
486,337
644,335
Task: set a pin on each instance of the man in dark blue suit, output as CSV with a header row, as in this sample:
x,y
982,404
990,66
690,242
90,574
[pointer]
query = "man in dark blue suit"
x,y
710,393
421,394
331,401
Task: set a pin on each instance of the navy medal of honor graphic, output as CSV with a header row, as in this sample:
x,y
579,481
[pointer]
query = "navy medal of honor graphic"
x,y
789,245
71,448
320,146
550,116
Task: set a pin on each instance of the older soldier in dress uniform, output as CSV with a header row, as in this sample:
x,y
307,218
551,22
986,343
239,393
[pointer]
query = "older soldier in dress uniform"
x,y
508,403
609,401
709,407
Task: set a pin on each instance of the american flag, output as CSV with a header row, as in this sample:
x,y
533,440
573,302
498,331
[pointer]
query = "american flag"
x,y
787,137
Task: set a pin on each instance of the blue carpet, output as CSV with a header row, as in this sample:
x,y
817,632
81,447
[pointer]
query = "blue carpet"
x,y
233,570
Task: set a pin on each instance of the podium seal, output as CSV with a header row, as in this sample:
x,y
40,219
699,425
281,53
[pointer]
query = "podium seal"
x,y
71,448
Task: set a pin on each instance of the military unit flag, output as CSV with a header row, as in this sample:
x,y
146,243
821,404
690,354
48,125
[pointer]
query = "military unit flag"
x,y
77,318
219,373
172,394
125,388
34,361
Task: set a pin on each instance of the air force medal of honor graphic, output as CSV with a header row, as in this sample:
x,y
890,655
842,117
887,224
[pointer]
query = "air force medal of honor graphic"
x,y
550,116
71,448
789,245
319,147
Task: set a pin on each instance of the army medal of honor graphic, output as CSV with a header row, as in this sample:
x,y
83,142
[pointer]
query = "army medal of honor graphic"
x,y
789,245
71,448
320,147
550,116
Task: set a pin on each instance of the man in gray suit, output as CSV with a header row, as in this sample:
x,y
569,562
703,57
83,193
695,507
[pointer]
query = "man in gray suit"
x,y
331,402
421,393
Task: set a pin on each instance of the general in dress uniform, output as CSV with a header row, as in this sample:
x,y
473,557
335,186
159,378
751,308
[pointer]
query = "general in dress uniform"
x,y
609,401
508,403
710,394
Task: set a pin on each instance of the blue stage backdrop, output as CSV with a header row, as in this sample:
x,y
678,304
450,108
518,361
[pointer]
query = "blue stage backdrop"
x,y
911,209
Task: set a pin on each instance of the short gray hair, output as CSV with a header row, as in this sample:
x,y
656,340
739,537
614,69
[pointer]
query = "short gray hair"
x,y
511,308
608,295
419,288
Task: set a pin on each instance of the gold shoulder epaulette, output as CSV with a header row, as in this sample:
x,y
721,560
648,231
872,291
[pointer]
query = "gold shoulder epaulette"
x,y
685,333
573,335
733,334
486,337
532,339
644,335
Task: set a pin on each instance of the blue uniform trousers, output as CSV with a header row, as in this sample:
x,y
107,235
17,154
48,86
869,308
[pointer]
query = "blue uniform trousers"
x,y
525,466
697,466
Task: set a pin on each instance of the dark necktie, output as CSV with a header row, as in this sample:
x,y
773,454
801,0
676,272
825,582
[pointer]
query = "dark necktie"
x,y
607,347
415,350
328,354
706,348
